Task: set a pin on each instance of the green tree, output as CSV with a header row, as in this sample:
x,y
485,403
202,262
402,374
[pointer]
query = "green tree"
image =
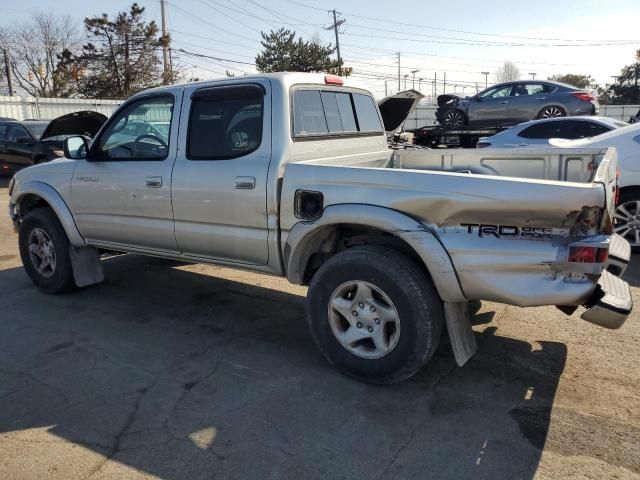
x,y
283,53
575,79
627,87
121,57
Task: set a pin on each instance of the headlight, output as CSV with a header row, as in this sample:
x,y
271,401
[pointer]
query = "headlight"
x,y
12,184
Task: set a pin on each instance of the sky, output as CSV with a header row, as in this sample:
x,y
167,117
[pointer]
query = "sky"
x,y
433,38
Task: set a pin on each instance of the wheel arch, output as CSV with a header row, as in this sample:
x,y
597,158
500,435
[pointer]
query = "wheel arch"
x,y
34,195
309,244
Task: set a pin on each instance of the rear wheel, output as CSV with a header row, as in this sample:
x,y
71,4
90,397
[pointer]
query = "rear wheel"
x,y
552,111
454,119
374,314
44,249
627,218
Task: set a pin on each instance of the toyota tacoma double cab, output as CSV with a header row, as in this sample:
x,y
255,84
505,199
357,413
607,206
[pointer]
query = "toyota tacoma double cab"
x,y
290,174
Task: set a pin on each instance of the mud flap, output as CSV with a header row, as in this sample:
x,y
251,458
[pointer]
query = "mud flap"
x,y
86,265
463,342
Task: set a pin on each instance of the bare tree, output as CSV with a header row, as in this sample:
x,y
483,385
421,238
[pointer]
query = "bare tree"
x,y
34,49
507,72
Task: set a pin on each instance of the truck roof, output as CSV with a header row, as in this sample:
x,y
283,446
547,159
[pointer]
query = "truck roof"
x,y
286,78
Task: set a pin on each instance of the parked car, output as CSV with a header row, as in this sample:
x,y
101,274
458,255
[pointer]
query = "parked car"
x,y
515,102
539,132
290,174
627,142
29,142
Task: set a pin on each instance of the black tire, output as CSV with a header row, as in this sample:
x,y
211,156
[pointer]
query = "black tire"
x,y
61,278
628,196
416,301
552,111
454,119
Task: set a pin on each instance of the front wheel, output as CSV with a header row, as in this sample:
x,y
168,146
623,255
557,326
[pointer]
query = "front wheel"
x,y
374,314
454,119
44,249
552,111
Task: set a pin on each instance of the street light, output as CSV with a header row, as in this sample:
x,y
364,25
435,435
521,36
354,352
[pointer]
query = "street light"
x,y
486,76
406,75
419,82
533,75
413,84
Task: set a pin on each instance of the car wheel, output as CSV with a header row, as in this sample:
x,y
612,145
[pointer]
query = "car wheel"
x,y
454,119
374,314
627,218
552,111
44,249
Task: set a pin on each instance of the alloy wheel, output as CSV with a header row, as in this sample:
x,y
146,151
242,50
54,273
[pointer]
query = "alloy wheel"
x,y
364,320
42,252
454,118
627,222
551,112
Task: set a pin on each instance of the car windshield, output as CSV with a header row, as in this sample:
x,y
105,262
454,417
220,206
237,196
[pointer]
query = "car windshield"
x,y
36,129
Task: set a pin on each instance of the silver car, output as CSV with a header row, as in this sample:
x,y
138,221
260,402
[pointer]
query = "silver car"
x,y
539,132
515,102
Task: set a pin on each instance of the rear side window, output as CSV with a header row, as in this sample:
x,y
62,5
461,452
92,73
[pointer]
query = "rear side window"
x,y
318,113
589,129
225,122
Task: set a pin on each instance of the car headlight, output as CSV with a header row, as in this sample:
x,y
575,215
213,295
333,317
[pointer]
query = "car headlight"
x,y
12,183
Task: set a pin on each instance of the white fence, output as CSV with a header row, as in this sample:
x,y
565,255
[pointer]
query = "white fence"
x,y
22,108
426,114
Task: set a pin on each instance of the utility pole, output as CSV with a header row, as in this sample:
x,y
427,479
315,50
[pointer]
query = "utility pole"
x,y
444,83
413,83
406,75
165,43
419,82
399,88
385,88
435,85
533,75
336,24
7,69
486,76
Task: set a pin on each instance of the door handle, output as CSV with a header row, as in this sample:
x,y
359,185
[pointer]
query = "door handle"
x,y
153,182
541,98
504,102
245,183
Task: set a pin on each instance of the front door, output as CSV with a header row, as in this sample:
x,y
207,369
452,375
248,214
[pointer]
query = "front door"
x,y
121,194
490,107
220,177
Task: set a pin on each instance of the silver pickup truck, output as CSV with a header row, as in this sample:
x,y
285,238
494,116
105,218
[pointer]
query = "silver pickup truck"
x,y
291,175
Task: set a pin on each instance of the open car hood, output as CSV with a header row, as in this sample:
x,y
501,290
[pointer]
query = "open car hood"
x,y
397,108
77,123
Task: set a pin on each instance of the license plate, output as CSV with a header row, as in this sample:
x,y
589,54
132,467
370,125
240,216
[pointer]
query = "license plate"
x,y
451,140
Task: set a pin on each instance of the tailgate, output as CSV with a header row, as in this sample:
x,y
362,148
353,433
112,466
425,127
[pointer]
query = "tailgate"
x,y
607,175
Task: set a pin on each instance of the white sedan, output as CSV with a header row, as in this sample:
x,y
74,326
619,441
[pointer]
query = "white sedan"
x,y
627,143
539,132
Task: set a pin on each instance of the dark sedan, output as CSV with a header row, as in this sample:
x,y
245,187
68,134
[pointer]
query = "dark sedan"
x,y
29,142
515,102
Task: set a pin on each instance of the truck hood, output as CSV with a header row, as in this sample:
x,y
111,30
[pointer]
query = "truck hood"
x,y
77,123
395,109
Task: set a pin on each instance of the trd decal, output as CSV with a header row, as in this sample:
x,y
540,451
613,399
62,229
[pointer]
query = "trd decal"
x,y
507,231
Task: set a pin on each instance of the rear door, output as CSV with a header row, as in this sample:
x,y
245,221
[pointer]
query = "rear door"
x,y
527,99
219,186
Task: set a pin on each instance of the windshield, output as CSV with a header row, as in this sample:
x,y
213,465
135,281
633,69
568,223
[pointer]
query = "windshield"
x,y
36,129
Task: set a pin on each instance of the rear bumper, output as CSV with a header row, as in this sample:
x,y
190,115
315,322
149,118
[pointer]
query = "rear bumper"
x,y
611,302
619,255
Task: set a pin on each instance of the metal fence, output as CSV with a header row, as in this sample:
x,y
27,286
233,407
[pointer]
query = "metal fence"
x,y
22,108
425,114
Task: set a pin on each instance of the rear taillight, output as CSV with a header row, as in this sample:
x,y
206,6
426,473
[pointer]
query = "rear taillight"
x,y
482,145
588,254
584,96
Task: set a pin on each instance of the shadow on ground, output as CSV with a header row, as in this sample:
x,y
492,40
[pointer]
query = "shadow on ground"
x,y
184,376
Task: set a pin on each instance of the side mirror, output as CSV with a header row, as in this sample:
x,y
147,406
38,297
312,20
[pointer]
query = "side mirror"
x,y
476,98
24,140
76,148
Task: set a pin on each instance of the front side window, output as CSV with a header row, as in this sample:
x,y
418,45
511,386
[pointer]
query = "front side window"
x,y
133,134
16,132
541,130
3,131
497,92
225,122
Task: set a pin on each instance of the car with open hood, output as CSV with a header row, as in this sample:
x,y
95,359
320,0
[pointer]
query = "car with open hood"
x,y
29,142
395,109
515,102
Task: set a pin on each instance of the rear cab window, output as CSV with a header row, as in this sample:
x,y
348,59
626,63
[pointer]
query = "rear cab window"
x,y
320,112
